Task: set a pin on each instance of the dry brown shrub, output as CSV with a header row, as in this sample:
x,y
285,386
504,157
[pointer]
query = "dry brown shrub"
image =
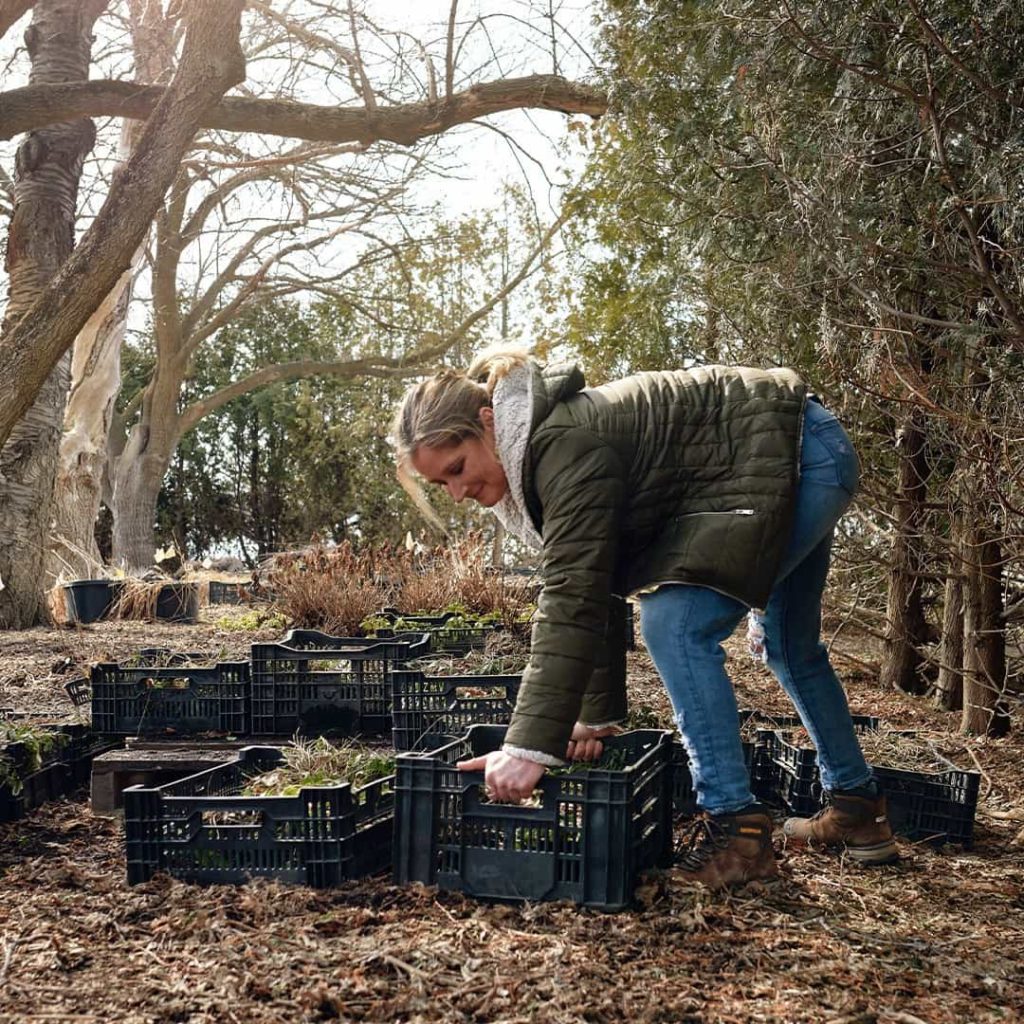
x,y
335,589
332,589
459,576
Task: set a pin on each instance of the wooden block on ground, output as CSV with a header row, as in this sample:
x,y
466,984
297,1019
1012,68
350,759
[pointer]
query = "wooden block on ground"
x,y
114,771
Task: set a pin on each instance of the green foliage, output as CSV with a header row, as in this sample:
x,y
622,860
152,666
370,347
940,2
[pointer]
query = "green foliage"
x,y
309,456
320,763
252,620
275,466
38,743
770,180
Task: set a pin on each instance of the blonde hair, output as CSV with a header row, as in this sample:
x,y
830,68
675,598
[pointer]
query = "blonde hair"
x,y
444,410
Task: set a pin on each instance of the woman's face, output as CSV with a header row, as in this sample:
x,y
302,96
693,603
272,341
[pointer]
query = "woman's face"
x,y
468,469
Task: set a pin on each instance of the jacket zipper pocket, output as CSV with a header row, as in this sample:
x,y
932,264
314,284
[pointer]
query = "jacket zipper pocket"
x,y
725,512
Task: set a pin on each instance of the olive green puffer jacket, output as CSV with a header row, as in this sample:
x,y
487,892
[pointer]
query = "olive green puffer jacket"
x,y
668,477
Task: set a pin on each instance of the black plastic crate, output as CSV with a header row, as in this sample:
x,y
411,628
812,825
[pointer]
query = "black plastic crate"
x,y
427,710
33,790
937,806
84,744
417,619
791,773
592,833
79,692
201,829
222,592
175,700
462,639
922,805
444,637
314,684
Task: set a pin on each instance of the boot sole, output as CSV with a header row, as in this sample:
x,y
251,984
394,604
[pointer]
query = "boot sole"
x,y
884,852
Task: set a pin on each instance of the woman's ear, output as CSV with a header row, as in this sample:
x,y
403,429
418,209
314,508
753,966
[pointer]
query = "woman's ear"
x,y
486,415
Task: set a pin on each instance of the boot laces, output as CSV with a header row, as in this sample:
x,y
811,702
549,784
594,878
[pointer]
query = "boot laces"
x,y
826,806
704,839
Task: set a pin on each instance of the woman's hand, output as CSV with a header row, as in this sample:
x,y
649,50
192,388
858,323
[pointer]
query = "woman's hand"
x,y
585,743
509,780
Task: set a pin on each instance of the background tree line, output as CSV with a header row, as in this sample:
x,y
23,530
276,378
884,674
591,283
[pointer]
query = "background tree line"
x,y
837,187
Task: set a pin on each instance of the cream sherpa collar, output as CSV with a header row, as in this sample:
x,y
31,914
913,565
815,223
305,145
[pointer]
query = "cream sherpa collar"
x,y
513,412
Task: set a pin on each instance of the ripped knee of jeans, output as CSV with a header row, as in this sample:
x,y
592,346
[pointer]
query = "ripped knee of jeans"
x,y
757,644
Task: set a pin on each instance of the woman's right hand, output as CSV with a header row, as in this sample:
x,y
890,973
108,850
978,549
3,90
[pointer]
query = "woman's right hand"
x,y
585,743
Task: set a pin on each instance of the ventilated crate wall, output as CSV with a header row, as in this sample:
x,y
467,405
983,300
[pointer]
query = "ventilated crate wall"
x,y
428,710
446,638
170,699
315,684
590,835
684,796
202,829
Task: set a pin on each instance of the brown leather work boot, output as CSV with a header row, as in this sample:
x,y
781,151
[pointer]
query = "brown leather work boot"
x,y
729,849
855,819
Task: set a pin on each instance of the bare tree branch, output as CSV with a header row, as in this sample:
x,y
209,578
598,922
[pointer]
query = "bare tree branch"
x,y
999,95
449,53
374,366
24,109
11,11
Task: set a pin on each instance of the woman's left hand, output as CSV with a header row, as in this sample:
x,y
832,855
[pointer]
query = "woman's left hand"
x,y
508,779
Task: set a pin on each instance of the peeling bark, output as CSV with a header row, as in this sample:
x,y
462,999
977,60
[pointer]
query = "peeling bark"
x,y
96,363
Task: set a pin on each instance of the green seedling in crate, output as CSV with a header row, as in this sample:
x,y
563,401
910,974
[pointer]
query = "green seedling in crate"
x,y
37,743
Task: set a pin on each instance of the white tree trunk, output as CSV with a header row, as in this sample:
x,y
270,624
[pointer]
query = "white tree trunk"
x,y
96,381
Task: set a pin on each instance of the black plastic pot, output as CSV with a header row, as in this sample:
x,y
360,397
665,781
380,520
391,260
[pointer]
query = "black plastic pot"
x,y
178,602
89,600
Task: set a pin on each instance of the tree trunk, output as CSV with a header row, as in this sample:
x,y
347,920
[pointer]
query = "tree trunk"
x,y
905,630
950,686
984,710
136,488
48,166
96,364
11,11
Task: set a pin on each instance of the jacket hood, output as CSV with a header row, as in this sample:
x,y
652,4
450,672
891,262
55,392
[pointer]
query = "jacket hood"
x,y
553,384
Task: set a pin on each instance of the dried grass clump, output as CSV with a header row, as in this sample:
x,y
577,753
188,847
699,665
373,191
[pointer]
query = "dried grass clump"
x,y
319,763
460,577
136,599
336,589
332,589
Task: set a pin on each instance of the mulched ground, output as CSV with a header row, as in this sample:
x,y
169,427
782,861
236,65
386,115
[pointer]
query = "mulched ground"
x,y
936,939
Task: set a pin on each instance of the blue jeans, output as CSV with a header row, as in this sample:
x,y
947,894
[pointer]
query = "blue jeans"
x,y
684,627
